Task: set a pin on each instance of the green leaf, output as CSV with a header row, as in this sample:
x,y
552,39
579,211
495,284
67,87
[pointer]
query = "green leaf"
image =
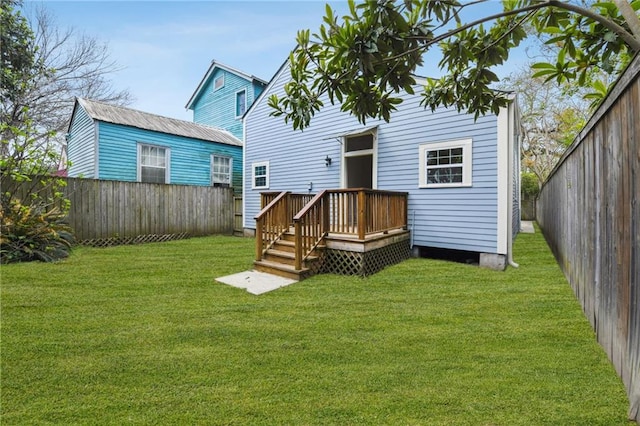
x,y
551,30
543,73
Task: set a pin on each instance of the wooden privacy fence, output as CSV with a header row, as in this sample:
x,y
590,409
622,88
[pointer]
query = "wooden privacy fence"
x,y
105,212
589,213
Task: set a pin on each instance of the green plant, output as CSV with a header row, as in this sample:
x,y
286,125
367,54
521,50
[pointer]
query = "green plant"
x,y
362,60
529,184
32,233
32,201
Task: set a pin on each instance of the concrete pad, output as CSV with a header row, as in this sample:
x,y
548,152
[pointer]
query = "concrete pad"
x,y
526,227
256,282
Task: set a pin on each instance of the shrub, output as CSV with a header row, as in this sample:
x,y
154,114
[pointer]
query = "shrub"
x,y
529,184
32,201
31,233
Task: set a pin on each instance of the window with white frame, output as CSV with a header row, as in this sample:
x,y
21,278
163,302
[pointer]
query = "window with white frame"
x,y
153,164
260,178
221,169
445,164
218,83
241,103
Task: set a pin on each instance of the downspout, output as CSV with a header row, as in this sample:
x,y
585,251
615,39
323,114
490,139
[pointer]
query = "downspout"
x,y
510,167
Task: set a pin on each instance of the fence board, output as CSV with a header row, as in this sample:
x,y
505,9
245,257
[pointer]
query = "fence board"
x,y
106,212
589,213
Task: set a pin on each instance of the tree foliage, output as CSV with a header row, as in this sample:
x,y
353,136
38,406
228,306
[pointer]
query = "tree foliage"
x,y
529,185
550,118
43,69
59,65
364,59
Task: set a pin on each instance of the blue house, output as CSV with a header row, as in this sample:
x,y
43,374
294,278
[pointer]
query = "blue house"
x,y
223,96
116,143
359,197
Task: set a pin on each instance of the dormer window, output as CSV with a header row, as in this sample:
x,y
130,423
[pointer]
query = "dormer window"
x,y
218,83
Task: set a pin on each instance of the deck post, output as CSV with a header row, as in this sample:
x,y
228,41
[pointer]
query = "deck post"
x,y
405,205
285,212
298,246
325,214
361,214
259,240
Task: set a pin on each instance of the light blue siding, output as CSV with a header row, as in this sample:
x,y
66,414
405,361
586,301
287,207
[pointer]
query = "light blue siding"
x,y
190,158
463,218
515,214
218,108
81,145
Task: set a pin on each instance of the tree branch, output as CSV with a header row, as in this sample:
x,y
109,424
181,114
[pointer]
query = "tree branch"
x,y
629,39
629,16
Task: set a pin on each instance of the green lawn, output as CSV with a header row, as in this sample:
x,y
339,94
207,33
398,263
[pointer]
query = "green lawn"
x,y
144,335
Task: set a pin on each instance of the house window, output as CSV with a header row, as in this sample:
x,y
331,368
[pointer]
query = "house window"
x,y
445,164
241,103
153,164
220,170
218,83
260,175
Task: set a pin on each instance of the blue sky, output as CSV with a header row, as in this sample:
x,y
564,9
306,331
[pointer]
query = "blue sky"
x,y
165,47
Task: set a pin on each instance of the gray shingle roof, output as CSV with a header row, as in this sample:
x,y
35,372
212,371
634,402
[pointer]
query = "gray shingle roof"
x,y
144,120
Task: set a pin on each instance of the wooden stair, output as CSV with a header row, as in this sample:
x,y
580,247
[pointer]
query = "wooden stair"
x,y
280,258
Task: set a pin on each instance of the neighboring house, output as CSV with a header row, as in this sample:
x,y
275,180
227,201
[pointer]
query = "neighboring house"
x,y
116,143
460,177
223,96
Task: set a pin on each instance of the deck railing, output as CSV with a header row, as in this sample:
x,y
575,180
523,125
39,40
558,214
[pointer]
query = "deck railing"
x,y
272,221
311,226
366,211
295,202
355,212
276,217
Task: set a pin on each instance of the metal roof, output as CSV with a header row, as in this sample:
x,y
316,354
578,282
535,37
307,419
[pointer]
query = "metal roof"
x,y
144,120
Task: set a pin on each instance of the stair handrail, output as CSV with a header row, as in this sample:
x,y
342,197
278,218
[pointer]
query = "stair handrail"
x,y
270,225
311,226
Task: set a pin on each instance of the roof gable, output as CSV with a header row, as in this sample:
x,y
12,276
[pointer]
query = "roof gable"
x,y
212,68
143,120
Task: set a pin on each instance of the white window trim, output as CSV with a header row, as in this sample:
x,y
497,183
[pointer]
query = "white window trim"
x,y
467,162
167,171
253,175
220,77
236,102
360,153
230,169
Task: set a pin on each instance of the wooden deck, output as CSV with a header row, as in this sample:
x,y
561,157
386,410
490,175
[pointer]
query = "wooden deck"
x,y
345,231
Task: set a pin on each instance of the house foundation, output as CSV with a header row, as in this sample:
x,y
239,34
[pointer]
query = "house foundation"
x,y
494,261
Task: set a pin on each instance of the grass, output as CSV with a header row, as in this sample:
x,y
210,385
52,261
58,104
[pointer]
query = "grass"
x,y
144,335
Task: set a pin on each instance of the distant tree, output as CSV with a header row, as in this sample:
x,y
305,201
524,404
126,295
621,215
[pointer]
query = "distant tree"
x,y
64,65
366,58
550,118
528,185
